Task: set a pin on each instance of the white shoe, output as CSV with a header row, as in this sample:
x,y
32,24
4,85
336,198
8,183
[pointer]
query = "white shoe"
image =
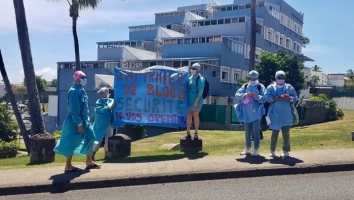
x,y
255,153
246,152
284,154
272,154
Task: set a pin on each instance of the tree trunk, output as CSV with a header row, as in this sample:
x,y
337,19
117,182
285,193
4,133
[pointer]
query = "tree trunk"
x,y
253,36
28,68
74,13
11,95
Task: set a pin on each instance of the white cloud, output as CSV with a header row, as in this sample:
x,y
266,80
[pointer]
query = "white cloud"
x,y
47,73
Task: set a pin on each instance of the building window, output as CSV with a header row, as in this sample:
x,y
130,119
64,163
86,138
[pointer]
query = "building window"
x,y
242,19
225,76
236,77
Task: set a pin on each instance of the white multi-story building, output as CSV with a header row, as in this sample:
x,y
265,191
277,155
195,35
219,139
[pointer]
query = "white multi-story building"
x,y
336,79
2,89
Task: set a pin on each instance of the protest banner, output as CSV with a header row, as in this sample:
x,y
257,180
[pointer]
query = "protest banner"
x,y
155,96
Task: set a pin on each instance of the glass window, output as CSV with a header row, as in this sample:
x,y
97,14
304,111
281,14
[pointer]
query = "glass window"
x,y
221,21
227,21
213,22
235,7
242,19
207,23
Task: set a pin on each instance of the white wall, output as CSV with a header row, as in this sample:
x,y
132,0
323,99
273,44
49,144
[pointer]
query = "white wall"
x,y
53,105
346,103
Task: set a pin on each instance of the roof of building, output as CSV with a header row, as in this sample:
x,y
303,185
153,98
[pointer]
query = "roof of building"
x,y
167,33
138,54
303,58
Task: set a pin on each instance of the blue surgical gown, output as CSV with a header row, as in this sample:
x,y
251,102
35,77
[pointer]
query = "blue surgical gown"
x,y
103,118
279,112
254,110
71,142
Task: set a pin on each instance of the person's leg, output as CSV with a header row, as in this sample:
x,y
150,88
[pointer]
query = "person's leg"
x,y
108,135
68,165
196,123
256,136
189,123
285,130
248,132
274,141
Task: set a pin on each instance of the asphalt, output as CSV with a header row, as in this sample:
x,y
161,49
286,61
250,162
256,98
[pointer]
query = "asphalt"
x,y
189,168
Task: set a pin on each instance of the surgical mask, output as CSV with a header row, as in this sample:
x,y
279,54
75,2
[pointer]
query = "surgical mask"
x,y
252,82
83,81
193,71
280,81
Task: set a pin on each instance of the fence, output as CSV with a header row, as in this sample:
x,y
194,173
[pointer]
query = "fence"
x,y
223,117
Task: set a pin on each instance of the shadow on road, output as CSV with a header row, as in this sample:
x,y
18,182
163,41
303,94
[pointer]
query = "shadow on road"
x,y
253,159
156,158
62,181
289,161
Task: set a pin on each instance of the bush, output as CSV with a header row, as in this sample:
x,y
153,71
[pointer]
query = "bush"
x,y
56,135
8,149
334,113
8,126
135,132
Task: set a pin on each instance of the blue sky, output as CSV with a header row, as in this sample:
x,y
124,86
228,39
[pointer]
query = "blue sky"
x,y
327,24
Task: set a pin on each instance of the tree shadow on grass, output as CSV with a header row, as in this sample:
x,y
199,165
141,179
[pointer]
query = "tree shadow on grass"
x,y
289,161
62,181
156,158
253,159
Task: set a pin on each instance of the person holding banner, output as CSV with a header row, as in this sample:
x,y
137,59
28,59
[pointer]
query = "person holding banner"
x,y
195,100
77,137
102,126
251,110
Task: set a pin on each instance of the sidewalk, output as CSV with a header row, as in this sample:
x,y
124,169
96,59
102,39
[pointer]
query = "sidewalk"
x,y
52,179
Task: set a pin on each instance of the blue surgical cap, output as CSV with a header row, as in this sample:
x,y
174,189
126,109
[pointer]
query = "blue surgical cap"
x,y
253,74
279,73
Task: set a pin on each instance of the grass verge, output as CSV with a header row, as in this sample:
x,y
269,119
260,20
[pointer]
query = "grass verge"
x,y
330,135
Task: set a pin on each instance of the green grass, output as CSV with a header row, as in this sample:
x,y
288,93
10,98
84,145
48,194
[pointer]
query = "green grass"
x,y
330,135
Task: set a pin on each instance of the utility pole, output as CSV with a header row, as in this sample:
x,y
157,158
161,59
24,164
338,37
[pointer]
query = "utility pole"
x,y
253,36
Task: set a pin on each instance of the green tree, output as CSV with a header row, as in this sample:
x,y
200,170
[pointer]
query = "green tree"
x,y
8,126
75,6
282,61
41,86
316,68
350,74
314,79
54,81
19,93
305,41
28,68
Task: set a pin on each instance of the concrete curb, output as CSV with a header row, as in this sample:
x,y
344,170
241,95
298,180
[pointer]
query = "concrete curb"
x,y
65,186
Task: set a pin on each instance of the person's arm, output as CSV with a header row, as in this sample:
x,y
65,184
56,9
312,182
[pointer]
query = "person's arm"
x,y
74,106
269,95
200,89
260,97
292,94
241,93
101,107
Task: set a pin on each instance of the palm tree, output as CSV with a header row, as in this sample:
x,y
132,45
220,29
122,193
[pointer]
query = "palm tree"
x,y
253,36
316,68
75,6
28,68
350,74
13,103
314,80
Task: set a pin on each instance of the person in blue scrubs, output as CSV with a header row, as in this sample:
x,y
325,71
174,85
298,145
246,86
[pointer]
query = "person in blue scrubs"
x,y
195,100
280,96
250,110
102,126
77,136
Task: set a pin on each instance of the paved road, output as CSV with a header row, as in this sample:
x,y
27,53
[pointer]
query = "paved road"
x,y
322,186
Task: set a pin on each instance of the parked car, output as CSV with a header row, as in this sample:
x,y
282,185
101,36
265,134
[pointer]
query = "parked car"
x,y
28,117
28,124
